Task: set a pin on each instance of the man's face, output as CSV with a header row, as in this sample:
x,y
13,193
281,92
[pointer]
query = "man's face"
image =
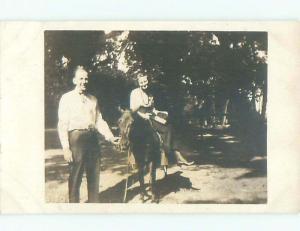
x,y
143,82
81,80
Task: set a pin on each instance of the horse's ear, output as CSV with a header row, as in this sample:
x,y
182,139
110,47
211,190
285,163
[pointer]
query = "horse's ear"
x,y
120,109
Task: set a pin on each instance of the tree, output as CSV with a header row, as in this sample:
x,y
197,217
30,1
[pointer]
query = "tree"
x,y
216,68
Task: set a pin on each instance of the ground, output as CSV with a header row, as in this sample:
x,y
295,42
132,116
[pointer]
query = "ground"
x,y
227,170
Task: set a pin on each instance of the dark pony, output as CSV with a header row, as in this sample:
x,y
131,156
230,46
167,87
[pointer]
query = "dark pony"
x,y
143,151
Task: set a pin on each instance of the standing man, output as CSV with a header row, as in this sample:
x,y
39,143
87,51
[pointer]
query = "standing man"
x,y
79,121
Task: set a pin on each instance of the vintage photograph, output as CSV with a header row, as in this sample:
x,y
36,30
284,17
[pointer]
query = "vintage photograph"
x,y
164,117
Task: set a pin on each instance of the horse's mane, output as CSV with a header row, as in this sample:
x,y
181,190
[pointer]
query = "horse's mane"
x,y
125,123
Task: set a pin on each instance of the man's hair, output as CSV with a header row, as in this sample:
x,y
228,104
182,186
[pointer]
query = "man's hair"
x,y
77,69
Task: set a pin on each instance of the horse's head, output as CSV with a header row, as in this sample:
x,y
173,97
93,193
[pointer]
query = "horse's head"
x,y
125,123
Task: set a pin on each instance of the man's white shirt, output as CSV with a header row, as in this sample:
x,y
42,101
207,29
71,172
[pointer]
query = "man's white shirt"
x,y
79,111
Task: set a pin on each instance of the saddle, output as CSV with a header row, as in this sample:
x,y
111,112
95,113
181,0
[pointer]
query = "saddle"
x,y
160,117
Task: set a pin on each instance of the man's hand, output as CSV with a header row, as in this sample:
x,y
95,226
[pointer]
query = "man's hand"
x,y
68,155
115,140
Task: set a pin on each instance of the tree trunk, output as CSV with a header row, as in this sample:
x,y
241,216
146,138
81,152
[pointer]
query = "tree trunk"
x,y
253,106
213,111
265,97
225,112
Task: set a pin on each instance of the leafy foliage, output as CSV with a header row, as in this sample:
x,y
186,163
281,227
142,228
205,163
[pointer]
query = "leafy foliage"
x,y
190,70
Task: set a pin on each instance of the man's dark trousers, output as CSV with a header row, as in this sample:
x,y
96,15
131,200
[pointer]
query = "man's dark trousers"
x,y
86,157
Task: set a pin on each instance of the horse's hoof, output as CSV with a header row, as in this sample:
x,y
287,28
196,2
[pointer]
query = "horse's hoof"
x,y
154,199
142,198
146,194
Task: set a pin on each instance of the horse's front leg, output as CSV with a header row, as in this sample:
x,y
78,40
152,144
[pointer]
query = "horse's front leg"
x,y
143,193
153,188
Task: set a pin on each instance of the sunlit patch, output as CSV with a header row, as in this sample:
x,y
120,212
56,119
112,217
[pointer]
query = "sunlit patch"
x,y
53,152
206,135
207,166
242,172
256,158
216,152
226,137
232,141
61,164
107,32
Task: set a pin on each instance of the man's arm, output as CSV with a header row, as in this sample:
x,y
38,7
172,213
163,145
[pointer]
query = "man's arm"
x,y
62,127
63,122
103,127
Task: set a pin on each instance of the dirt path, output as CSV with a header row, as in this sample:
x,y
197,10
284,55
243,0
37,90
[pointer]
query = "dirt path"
x,y
225,171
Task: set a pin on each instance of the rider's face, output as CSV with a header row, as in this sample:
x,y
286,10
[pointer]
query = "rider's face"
x,y
143,82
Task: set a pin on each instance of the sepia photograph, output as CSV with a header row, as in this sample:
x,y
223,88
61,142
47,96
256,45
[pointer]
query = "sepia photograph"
x,y
163,117
123,119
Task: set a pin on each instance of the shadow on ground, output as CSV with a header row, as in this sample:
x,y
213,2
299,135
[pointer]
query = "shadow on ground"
x,y
56,169
221,148
225,149
172,183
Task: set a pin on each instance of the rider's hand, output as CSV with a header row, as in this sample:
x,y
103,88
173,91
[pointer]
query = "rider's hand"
x,y
115,140
147,116
68,155
155,111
